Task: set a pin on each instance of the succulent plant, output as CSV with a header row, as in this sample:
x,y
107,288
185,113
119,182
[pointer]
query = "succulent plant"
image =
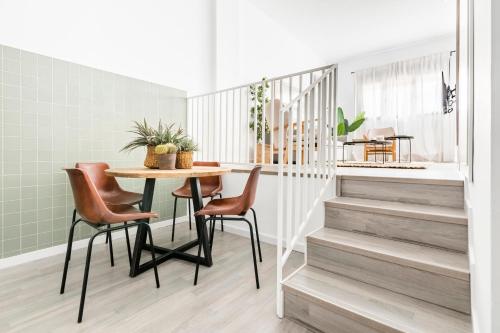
x,y
168,148
150,136
187,144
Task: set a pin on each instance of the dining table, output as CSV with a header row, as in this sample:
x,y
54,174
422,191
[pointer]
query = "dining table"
x,y
164,253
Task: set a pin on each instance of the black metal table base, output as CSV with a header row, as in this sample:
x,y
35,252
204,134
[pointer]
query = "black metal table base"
x,y
163,254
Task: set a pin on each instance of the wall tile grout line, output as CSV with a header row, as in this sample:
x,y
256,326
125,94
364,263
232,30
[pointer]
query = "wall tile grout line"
x,y
58,113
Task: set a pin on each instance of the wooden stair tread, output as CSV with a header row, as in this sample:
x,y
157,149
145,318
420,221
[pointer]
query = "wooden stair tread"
x,y
405,180
375,307
437,261
410,210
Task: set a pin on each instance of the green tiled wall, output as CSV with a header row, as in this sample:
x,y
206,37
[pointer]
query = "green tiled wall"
x,y
53,114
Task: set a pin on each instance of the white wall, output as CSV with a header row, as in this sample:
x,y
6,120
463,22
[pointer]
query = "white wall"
x,y
266,206
495,158
251,45
345,92
483,191
257,38
166,42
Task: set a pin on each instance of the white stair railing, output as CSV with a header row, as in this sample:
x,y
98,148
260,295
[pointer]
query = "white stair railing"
x,y
223,123
288,122
310,166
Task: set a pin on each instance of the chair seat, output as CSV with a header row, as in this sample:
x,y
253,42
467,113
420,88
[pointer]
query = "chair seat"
x,y
225,206
206,191
122,197
124,213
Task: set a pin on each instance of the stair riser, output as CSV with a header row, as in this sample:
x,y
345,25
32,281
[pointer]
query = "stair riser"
x,y
442,290
444,235
426,194
326,318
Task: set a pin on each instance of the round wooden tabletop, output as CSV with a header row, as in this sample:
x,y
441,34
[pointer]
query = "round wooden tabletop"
x,y
196,171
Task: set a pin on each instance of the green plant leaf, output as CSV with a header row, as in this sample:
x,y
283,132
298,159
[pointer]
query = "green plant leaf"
x,y
147,135
355,125
340,129
359,116
340,115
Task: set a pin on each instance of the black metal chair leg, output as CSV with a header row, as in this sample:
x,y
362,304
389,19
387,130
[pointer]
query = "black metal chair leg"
x,y
212,232
68,254
85,278
153,256
173,221
253,254
189,213
257,232
221,218
111,257
128,245
72,221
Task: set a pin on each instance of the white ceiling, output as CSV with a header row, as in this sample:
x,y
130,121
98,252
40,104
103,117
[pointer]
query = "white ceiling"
x,y
338,29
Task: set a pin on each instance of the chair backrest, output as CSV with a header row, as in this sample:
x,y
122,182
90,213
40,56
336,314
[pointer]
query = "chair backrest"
x,y
212,181
102,182
248,196
88,202
374,132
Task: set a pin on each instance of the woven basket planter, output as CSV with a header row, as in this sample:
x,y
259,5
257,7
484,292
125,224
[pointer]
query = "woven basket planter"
x,y
184,160
151,160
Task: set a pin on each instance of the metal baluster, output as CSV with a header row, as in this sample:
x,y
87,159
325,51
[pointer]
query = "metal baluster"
x,y
255,124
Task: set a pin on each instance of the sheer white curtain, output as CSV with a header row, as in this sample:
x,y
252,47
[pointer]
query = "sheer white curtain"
x,y
407,96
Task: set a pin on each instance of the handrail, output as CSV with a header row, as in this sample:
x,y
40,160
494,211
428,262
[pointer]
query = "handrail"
x,y
309,88
260,81
317,103
233,125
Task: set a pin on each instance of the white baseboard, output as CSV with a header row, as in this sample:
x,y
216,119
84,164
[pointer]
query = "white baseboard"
x,y
83,243
79,244
265,238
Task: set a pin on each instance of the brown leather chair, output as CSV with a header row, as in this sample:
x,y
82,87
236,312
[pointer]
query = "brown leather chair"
x,y
210,187
236,207
96,213
111,192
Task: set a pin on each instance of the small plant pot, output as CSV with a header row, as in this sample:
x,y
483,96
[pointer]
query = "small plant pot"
x,y
342,138
184,160
167,161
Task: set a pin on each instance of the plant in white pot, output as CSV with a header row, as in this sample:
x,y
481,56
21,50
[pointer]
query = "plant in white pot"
x,y
344,127
166,156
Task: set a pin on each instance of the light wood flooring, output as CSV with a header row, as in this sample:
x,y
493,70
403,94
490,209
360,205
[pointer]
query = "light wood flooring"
x,y
225,299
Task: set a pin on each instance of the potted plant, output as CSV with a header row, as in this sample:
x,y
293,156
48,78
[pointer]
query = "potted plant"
x,y
343,126
166,156
185,149
150,137
259,98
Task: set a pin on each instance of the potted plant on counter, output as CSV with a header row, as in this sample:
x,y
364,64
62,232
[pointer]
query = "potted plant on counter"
x,y
166,156
185,147
150,137
344,127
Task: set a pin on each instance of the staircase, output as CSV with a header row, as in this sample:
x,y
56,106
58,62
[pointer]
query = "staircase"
x,y
392,257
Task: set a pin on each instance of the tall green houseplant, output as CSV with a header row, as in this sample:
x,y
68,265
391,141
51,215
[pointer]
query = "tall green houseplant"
x,y
259,97
343,125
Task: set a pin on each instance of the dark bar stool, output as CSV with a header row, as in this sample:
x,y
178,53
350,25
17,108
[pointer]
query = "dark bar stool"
x,y
210,187
236,207
111,192
96,213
